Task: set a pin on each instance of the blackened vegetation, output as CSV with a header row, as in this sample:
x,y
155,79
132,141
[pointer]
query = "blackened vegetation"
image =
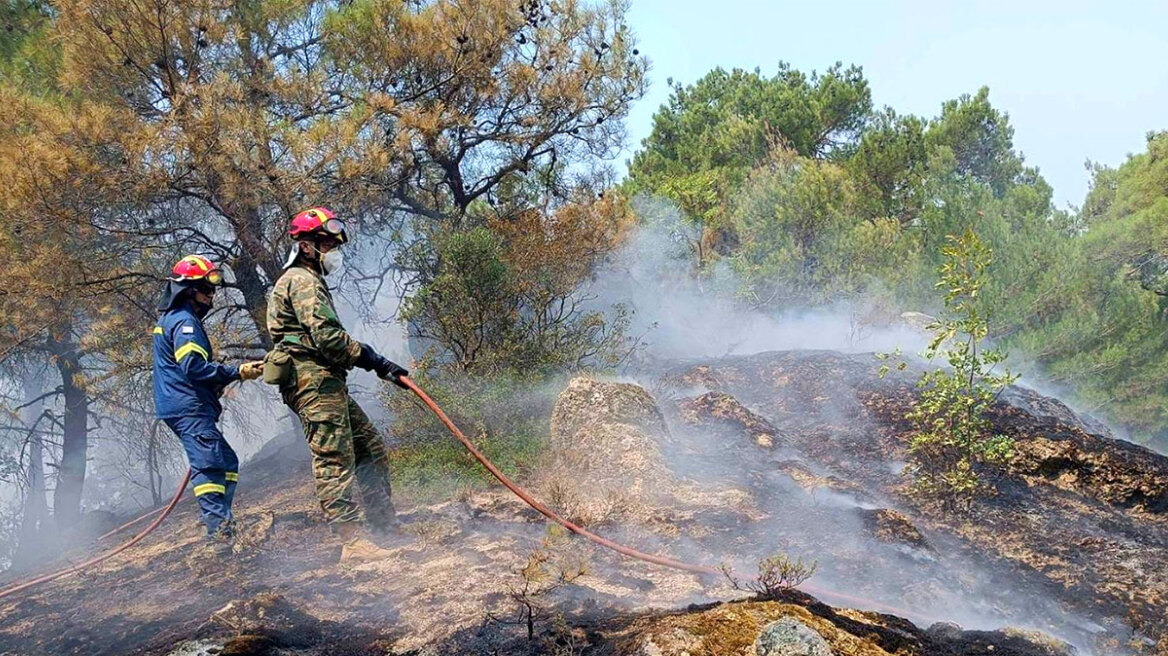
x,y
1076,512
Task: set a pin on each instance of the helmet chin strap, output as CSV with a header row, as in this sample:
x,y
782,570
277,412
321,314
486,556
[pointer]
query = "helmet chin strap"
x,y
316,254
297,254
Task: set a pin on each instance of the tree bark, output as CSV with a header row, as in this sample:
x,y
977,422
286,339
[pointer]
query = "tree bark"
x,y
75,442
255,294
153,472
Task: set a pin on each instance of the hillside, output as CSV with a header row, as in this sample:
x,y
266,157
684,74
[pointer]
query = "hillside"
x,y
723,461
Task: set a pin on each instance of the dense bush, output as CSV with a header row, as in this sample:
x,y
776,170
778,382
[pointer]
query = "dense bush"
x,y
503,318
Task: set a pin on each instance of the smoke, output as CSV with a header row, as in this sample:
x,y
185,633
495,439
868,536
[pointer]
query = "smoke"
x,y
681,314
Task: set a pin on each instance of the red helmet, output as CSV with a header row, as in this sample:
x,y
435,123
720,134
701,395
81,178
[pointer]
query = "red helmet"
x,y
317,221
196,267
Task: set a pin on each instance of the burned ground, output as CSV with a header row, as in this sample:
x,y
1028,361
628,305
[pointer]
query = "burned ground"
x,y
1079,514
725,462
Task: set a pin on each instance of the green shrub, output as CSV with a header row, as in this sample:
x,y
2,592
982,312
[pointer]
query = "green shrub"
x,y
777,574
506,417
954,442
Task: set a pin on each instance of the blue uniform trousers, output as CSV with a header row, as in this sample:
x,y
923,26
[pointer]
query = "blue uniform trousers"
x,y
214,469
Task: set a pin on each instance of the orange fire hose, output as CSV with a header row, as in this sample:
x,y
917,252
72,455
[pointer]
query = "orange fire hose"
x,y
609,544
130,523
104,557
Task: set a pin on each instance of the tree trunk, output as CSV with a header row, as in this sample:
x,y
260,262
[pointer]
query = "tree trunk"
x,y
255,294
153,474
35,510
74,445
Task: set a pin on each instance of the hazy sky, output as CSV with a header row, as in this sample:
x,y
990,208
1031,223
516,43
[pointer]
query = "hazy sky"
x,y
1080,80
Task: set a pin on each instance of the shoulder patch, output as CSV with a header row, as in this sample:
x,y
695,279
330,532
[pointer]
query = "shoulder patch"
x,y
188,330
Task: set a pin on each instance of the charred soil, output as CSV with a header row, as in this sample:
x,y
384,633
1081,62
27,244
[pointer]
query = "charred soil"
x,y
725,462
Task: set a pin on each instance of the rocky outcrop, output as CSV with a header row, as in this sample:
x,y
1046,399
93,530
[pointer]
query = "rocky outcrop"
x,y
724,413
806,478
1076,513
1074,537
782,627
588,403
1114,472
1050,410
605,461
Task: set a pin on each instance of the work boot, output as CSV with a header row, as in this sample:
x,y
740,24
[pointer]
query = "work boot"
x,y
221,542
357,547
222,550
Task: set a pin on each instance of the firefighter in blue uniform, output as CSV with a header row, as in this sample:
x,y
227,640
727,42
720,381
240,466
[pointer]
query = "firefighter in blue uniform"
x,y
187,386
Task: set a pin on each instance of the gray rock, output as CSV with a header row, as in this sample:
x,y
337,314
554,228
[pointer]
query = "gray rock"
x,y
790,637
197,648
945,631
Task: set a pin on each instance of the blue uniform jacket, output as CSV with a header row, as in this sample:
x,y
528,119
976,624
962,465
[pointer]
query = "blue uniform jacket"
x,y
187,382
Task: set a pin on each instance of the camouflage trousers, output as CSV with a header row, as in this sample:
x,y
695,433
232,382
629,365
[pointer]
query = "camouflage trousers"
x,y
348,456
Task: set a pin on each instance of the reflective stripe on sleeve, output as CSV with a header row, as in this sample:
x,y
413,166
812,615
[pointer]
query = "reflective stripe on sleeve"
x,y
188,348
158,330
208,488
232,477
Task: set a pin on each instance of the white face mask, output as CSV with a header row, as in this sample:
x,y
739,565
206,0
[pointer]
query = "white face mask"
x,y
332,261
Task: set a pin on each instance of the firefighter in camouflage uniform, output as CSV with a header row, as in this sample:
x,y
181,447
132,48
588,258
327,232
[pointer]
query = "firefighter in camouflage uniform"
x,y
310,361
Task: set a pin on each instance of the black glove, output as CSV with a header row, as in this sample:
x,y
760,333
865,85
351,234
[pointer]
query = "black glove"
x,y
386,369
393,372
368,358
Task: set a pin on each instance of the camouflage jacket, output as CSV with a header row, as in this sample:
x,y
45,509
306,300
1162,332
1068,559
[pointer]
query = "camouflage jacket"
x,y
302,320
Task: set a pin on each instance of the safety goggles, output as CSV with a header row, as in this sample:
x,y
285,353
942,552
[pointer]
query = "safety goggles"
x,y
206,288
334,227
213,277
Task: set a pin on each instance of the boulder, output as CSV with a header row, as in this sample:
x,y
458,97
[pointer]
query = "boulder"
x,y
586,403
945,631
606,462
790,637
605,458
